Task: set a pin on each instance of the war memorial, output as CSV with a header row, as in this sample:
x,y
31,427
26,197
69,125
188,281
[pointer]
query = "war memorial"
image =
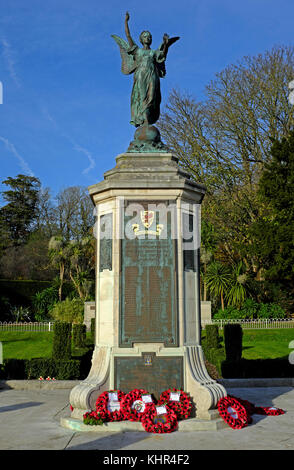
x,y
148,310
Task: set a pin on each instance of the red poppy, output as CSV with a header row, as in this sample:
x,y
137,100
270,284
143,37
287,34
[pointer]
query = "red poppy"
x,y
104,408
268,410
233,412
134,405
178,400
159,423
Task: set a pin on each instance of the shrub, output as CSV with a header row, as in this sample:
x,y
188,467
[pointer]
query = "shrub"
x,y
14,369
257,368
62,340
233,341
231,313
86,362
79,335
19,314
59,369
43,302
21,292
249,309
271,311
93,322
20,369
212,336
214,356
68,310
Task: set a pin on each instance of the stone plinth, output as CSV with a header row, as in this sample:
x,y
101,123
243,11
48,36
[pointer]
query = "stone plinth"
x,y
148,319
89,313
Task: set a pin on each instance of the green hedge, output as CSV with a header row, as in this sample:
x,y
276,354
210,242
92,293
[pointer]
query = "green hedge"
x,y
59,369
233,335
79,335
20,369
93,322
215,356
257,368
62,340
212,336
86,362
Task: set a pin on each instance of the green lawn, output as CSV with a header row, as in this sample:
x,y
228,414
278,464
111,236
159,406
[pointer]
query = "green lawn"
x,y
257,344
267,344
26,345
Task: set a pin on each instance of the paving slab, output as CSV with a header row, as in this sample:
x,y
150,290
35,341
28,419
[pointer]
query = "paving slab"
x,y
30,420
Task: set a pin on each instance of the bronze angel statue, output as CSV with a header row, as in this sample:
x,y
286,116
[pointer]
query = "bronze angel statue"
x,y
148,66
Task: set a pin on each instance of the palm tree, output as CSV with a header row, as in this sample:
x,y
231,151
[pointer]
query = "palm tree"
x,y
218,279
58,258
237,292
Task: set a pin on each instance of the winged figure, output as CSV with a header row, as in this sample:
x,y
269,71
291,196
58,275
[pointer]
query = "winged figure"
x,y
148,66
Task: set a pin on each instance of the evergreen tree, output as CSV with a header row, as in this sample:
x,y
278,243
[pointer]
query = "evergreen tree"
x,y
272,234
18,215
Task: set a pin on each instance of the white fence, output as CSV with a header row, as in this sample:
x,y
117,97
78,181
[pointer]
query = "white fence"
x,y
26,326
254,324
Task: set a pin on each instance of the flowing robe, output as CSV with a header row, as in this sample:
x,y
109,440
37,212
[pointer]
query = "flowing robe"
x,y
146,96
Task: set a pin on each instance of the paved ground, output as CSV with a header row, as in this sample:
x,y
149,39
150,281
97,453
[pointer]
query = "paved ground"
x,y
29,420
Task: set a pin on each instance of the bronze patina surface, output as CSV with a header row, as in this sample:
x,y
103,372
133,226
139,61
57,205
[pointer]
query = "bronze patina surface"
x,y
148,283
148,66
163,373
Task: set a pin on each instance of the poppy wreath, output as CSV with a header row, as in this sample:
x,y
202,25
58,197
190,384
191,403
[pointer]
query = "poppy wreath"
x,y
129,412
268,410
159,424
182,408
259,410
102,408
250,407
233,412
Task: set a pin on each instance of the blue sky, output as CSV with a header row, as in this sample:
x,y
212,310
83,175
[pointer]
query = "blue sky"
x,y
66,105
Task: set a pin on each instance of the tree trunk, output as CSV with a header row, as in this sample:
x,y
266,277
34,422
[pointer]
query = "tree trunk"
x,y
76,285
61,275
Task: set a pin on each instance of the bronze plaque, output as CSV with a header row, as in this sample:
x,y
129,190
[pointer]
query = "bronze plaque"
x,y
150,372
105,256
148,283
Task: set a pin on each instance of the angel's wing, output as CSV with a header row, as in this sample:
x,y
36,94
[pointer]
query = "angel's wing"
x,y
161,66
128,64
169,42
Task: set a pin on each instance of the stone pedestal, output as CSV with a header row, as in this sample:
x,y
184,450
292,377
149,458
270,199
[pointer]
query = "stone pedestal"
x,y
148,321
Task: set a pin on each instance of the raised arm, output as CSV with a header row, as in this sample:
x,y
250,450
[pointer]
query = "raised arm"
x,y
166,43
128,35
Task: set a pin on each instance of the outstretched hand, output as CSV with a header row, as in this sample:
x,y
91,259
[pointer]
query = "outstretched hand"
x,y
165,38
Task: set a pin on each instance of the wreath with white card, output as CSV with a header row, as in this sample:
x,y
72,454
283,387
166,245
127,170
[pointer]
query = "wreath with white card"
x,y
136,403
108,405
159,419
178,400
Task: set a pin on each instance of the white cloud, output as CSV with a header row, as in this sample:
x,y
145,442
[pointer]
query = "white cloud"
x,y
89,156
8,55
23,164
76,146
